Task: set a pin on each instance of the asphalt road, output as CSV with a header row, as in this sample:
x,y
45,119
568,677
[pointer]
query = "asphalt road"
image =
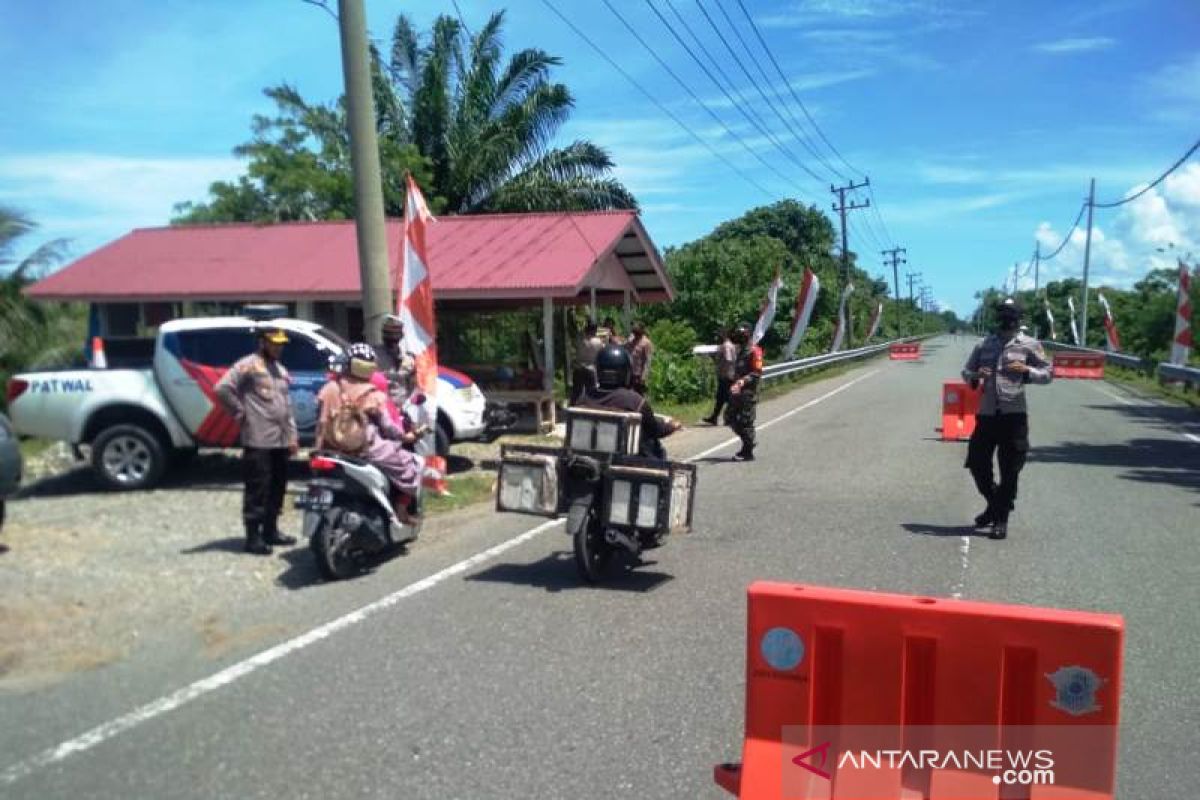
x,y
507,678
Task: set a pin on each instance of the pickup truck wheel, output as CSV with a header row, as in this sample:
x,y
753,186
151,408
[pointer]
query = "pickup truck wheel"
x,y
128,457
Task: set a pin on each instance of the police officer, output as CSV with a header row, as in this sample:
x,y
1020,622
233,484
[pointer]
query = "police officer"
x,y
395,362
743,393
1003,363
613,375
255,392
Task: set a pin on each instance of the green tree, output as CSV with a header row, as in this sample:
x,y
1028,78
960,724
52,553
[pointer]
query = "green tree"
x,y
475,130
32,334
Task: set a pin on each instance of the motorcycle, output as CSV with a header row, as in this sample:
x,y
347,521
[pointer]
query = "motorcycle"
x,y
348,515
616,503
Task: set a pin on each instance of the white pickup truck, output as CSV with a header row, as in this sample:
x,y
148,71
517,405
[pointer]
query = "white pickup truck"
x,y
137,418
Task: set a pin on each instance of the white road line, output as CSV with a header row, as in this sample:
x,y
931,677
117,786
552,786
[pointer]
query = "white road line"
x,y
1118,398
168,703
1145,404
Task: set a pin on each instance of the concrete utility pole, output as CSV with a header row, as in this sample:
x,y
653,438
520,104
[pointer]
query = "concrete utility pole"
x,y
1087,257
369,223
841,207
911,277
1037,265
896,261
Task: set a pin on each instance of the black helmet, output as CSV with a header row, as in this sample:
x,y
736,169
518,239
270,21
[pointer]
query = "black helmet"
x,y
1009,311
613,367
741,334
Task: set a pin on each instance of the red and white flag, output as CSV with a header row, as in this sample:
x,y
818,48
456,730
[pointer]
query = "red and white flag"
x,y
1112,340
415,303
767,315
1050,319
839,331
1181,342
875,318
1074,327
810,286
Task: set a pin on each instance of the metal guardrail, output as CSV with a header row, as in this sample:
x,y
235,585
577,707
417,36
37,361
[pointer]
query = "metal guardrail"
x,y
1116,359
798,365
1174,372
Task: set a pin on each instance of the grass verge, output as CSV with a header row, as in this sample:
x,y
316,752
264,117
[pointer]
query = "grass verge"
x,y
34,447
465,490
1149,385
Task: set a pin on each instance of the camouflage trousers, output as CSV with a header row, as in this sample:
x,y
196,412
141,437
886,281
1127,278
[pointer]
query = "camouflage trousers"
x,y
740,416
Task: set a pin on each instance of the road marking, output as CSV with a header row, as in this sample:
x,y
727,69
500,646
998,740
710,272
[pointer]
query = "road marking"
x,y
1146,404
163,705
785,415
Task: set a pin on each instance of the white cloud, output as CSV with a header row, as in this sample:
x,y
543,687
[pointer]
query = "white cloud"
x,y
94,197
1145,234
1084,45
1173,92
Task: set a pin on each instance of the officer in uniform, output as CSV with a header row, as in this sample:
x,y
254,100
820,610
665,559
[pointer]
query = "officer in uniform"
x,y
743,394
395,362
1002,363
613,375
255,392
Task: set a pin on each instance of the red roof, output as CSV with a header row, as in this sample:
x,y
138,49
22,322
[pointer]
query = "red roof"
x,y
486,256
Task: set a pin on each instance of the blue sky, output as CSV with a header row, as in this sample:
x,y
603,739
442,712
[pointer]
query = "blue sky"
x,y
979,123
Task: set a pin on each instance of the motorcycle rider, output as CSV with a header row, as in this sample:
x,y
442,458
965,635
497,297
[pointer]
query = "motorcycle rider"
x,y
743,393
614,372
396,363
1004,362
385,439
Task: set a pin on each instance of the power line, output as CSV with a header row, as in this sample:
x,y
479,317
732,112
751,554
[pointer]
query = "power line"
x,y
682,84
801,136
655,101
761,129
1157,181
763,43
1067,238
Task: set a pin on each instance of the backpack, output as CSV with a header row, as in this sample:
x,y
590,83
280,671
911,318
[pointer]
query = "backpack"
x,y
348,429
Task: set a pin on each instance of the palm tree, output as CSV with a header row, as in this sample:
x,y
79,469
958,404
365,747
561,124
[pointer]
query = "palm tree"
x,y
32,335
487,126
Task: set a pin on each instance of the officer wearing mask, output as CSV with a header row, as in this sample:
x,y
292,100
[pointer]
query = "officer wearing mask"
x,y
743,393
612,392
1002,363
255,392
397,364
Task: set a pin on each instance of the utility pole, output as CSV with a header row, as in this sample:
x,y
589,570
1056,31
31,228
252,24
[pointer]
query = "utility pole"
x,y
1016,277
1087,255
841,207
896,261
369,223
1037,264
911,277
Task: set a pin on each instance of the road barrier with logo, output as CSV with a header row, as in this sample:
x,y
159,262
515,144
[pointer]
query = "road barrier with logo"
x,y
1073,365
855,695
905,352
960,404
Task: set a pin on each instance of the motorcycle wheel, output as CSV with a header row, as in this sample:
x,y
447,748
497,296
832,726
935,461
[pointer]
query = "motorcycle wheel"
x,y
330,545
592,553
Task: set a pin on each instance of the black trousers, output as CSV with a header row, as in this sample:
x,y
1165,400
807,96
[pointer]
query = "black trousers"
x,y
740,415
723,385
1005,435
264,471
582,379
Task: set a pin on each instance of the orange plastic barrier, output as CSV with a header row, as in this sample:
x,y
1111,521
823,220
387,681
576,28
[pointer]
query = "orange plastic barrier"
x,y
1070,365
960,404
904,352
833,673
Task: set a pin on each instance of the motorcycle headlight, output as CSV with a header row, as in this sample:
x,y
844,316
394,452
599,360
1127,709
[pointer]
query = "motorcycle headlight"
x,y
470,393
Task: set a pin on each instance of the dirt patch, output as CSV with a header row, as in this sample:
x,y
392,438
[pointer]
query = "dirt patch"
x,y
42,643
219,639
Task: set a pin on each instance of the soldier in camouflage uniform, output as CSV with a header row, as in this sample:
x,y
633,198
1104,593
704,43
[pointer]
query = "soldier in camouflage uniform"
x,y
743,401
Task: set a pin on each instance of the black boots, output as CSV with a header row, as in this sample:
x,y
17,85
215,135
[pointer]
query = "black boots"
x,y
999,529
745,454
271,534
254,540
